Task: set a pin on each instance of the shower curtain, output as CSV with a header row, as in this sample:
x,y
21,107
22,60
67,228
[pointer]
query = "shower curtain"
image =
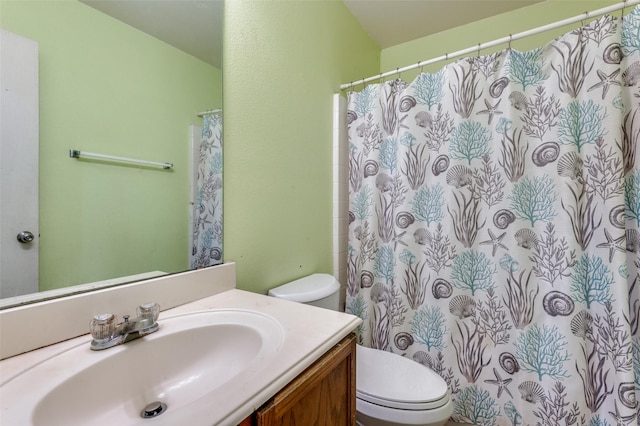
x,y
207,210
494,209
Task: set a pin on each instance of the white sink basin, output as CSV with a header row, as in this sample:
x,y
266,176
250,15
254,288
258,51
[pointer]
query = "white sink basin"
x,y
187,364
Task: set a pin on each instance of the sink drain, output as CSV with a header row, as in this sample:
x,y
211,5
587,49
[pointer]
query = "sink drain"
x,y
153,409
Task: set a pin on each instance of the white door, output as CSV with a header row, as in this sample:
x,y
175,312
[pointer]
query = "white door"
x,y
18,165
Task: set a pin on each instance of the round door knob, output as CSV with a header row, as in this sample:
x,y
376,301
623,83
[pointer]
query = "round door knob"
x,y
25,237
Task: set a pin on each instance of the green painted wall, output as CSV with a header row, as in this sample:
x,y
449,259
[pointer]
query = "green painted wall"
x,y
106,87
283,61
486,30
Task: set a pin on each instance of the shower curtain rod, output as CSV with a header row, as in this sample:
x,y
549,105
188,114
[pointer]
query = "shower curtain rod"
x,y
508,39
213,111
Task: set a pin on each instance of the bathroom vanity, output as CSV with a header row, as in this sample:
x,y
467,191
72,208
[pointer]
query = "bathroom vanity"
x,y
279,374
324,394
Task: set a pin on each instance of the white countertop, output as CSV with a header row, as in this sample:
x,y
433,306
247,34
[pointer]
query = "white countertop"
x,y
309,332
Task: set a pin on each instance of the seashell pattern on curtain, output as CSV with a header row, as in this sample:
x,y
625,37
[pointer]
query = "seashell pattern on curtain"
x,y
494,227
207,210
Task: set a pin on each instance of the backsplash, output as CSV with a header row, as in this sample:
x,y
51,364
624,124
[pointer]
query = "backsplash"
x,y
29,327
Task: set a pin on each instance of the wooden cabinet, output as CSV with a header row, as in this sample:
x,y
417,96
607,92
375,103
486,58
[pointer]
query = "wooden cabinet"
x,y
323,395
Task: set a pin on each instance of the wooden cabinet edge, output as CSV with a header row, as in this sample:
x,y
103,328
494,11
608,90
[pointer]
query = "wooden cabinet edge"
x,y
247,422
292,393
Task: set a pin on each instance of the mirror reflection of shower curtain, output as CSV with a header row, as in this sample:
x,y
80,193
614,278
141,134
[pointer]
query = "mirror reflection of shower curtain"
x,y
206,249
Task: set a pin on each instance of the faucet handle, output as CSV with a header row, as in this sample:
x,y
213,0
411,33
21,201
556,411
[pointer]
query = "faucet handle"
x,y
102,327
149,311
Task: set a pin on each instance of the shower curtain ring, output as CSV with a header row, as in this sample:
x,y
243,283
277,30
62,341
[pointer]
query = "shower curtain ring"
x,y
624,4
510,39
479,49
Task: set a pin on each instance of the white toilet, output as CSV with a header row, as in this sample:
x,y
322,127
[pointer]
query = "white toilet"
x,y
391,390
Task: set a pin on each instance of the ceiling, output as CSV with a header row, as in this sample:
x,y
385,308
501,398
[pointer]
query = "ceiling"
x,y
392,22
195,26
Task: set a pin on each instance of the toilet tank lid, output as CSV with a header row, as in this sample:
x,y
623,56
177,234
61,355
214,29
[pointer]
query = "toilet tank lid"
x,y
307,289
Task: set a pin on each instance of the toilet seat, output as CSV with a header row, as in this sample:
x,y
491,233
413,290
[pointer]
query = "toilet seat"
x,y
390,380
409,406
376,415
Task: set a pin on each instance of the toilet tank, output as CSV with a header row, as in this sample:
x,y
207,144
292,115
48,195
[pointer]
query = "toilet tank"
x,y
321,290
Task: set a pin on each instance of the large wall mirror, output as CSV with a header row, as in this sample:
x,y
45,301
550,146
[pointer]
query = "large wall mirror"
x,y
136,79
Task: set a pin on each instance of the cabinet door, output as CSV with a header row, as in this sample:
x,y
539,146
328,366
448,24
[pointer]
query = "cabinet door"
x,y
323,395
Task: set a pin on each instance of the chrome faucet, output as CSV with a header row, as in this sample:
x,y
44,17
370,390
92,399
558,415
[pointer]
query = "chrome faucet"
x,y
107,334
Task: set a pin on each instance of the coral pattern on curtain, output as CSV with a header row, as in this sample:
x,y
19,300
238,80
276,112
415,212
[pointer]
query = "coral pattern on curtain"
x,y
207,210
493,227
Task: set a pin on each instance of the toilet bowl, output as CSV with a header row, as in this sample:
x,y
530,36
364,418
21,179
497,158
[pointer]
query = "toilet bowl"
x,y
391,390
